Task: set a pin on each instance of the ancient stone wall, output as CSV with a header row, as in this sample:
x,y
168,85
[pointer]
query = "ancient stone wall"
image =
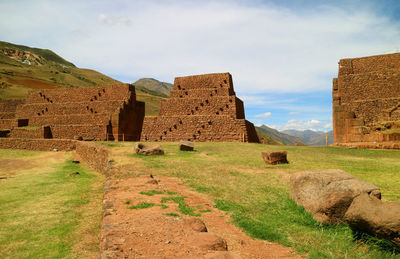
x,y
38,144
366,100
94,155
200,108
98,113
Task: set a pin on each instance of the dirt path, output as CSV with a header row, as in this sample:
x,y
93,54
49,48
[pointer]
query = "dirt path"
x,y
156,232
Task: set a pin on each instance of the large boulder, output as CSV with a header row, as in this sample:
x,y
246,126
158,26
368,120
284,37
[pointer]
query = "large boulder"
x,y
147,149
186,145
369,214
327,194
275,157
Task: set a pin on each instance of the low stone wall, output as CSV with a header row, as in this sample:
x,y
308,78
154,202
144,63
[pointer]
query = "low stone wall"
x,y
38,144
94,155
96,132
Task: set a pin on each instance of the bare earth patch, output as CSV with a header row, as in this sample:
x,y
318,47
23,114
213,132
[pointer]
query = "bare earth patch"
x,y
156,227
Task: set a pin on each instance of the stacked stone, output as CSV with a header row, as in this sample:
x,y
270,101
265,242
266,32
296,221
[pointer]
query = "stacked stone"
x,y
366,101
200,108
96,113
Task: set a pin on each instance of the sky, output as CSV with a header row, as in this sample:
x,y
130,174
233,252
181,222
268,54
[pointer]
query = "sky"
x,y
282,54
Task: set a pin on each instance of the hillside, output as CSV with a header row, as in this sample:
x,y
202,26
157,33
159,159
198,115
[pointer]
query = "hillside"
x,y
24,68
312,138
153,87
278,137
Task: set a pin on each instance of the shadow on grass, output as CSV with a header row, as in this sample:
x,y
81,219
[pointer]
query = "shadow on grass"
x,y
374,242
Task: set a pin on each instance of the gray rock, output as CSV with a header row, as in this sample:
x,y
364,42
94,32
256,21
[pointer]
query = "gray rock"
x,y
186,145
275,157
369,214
147,149
327,194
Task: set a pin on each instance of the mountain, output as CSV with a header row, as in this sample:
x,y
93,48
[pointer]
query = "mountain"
x,y
154,87
277,137
23,68
312,138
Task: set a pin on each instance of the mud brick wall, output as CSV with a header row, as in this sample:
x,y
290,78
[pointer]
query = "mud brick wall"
x,y
42,109
89,94
195,128
201,93
94,155
200,108
6,124
95,132
34,133
191,106
369,64
38,144
7,115
366,92
10,105
217,80
372,85
73,119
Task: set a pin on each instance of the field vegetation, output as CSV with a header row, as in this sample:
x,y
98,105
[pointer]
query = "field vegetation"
x,y
257,195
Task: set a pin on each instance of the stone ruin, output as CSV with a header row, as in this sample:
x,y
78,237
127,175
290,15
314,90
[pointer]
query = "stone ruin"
x,y
93,113
200,108
366,102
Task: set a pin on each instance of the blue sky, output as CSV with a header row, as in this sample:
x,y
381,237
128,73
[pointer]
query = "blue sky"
x,y
282,54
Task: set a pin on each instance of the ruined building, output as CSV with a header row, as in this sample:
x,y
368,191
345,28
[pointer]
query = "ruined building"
x,y
366,102
94,113
200,108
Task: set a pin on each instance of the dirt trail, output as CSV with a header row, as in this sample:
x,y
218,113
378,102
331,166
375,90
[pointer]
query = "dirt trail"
x,y
151,233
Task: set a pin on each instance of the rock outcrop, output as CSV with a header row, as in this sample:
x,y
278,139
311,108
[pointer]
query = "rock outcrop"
x,y
371,215
327,194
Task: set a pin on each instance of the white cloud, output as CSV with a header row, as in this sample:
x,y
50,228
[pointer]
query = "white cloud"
x,y
294,113
264,115
266,48
113,20
314,125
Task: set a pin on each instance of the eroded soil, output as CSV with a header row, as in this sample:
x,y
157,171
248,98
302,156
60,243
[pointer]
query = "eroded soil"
x,y
163,230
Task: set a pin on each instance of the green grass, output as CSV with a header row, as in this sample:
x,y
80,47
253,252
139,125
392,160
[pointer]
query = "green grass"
x,y
142,205
257,195
183,207
154,192
171,214
44,212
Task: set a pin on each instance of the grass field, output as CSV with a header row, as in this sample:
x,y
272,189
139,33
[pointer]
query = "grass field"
x,y
257,195
47,211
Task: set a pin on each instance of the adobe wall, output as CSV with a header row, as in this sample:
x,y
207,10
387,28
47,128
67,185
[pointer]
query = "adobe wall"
x,y
38,144
72,119
369,64
200,108
365,97
197,128
194,106
10,105
87,94
96,156
43,109
216,80
33,133
6,124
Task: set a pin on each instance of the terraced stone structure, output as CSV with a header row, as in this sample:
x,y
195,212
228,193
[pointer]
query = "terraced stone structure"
x,y
366,102
200,108
93,113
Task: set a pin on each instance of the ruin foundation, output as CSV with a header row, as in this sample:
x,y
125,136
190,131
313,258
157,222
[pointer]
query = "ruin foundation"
x,y
200,108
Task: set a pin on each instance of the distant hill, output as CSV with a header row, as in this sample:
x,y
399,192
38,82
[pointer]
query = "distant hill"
x,y
312,138
24,68
278,137
154,87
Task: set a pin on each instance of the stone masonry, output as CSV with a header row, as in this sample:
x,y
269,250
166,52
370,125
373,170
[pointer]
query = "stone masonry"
x,y
95,113
366,102
200,108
